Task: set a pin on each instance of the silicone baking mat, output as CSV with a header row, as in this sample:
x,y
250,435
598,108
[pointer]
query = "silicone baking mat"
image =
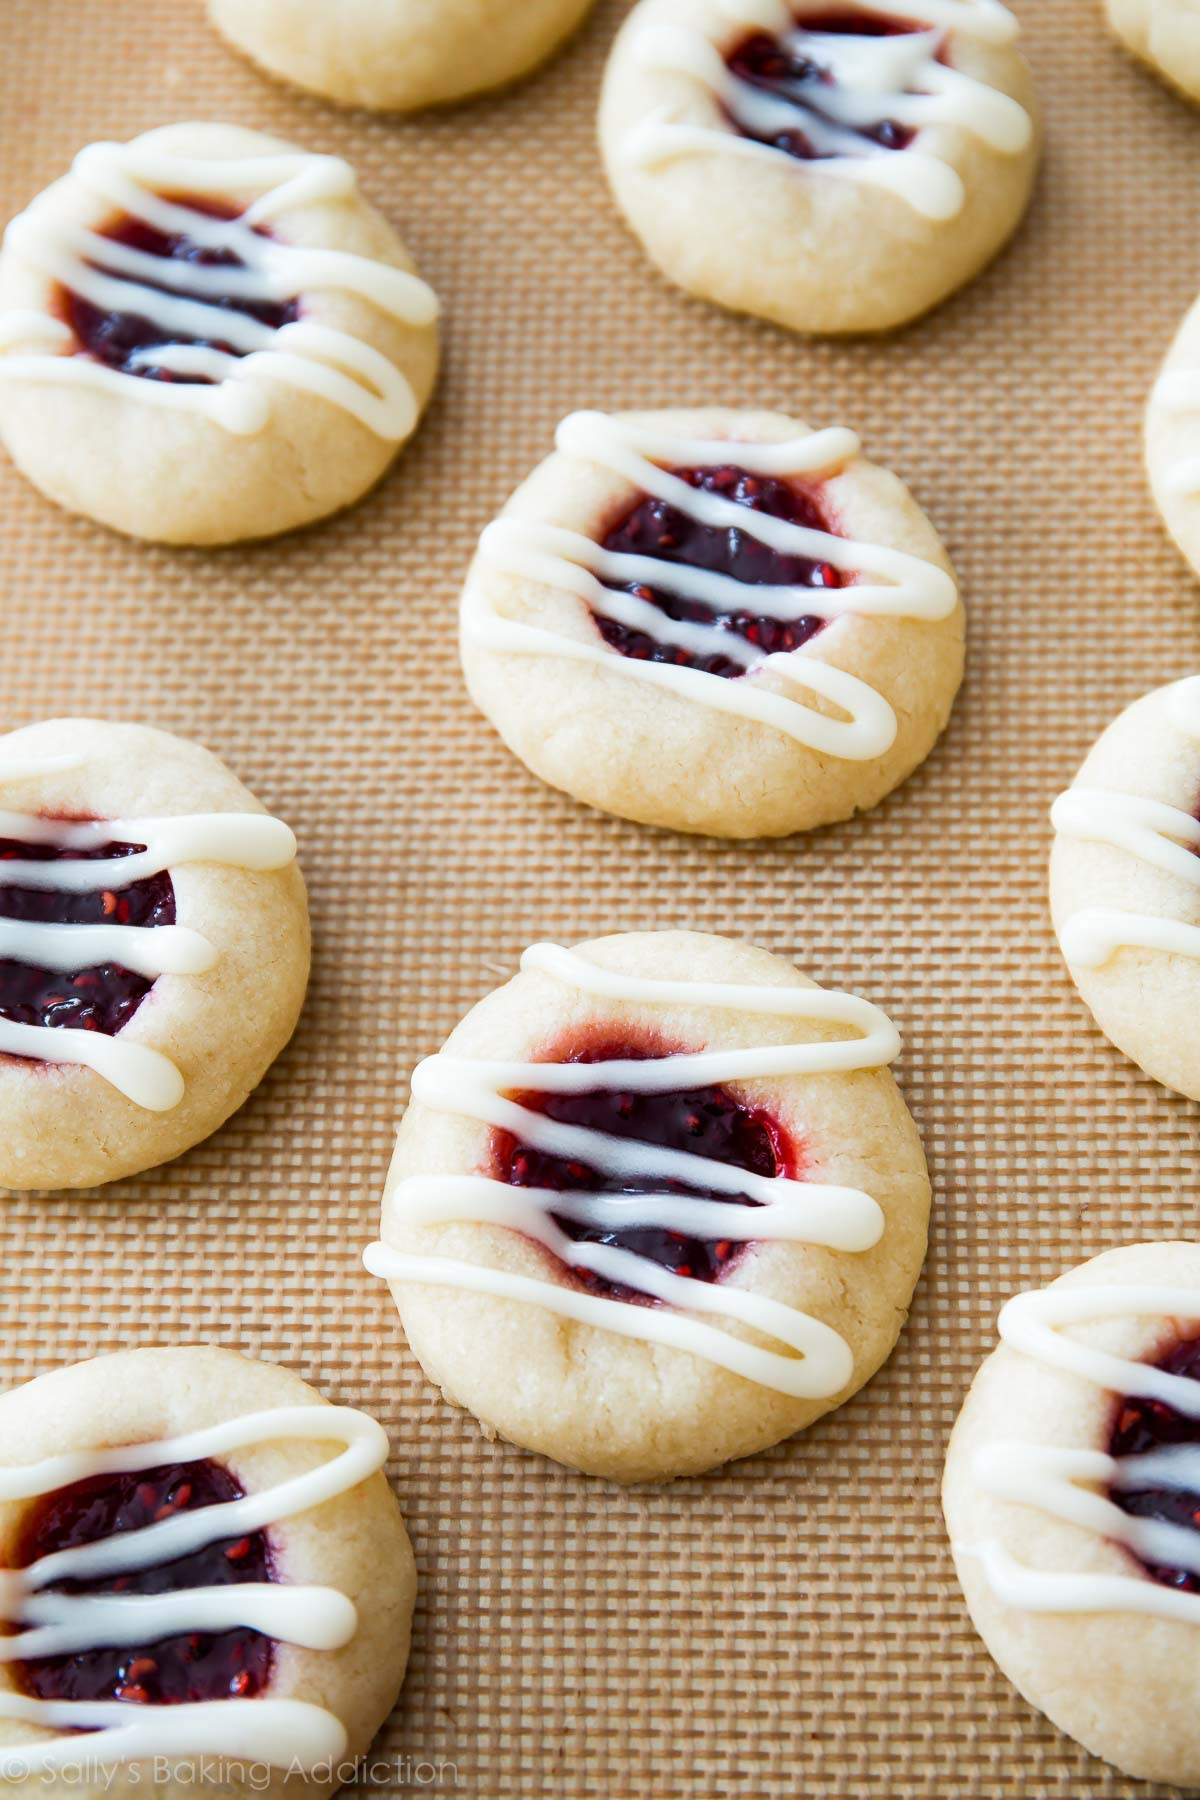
x,y
791,1625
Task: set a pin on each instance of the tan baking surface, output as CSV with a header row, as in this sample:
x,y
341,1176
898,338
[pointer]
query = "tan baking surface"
x,y
791,1627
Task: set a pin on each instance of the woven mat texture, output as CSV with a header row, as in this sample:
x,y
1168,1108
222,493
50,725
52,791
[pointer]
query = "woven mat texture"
x,y
791,1626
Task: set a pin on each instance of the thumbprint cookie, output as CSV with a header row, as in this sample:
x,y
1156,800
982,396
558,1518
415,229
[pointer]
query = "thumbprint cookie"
x,y
1163,34
833,168
395,55
715,621
207,335
1173,437
657,1204
205,1580
1125,883
1072,1498
154,949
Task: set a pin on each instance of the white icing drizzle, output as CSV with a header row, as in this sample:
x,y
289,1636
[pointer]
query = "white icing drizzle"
x,y
18,768
237,391
1165,837
147,950
904,586
237,840
1061,1482
1177,391
820,1362
873,79
988,21
275,1731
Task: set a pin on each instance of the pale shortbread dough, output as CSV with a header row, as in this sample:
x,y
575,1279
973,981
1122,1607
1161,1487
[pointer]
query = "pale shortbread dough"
x,y
65,1126
662,758
355,1542
782,238
1146,1000
172,475
1172,436
1163,33
1127,1686
395,55
615,1406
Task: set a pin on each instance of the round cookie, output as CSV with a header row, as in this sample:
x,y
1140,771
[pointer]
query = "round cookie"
x,y
154,949
713,620
239,1582
657,1204
207,335
1072,1496
1165,34
396,55
1173,438
833,170
1125,883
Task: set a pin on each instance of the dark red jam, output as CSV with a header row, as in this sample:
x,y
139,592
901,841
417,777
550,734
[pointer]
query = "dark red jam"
x,y
113,338
1144,1425
797,76
707,1122
198,1665
655,528
103,998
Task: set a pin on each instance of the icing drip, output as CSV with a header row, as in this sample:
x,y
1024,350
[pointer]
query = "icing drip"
x,y
214,1665
236,840
79,980
1062,1482
219,360
784,70
710,1122
316,1618
859,82
1162,836
654,531
817,1362
125,340
880,582
1176,392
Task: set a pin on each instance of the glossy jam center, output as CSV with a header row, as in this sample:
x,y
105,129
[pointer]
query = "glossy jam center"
x,y
655,528
103,998
1144,1425
117,338
775,67
708,1122
193,1666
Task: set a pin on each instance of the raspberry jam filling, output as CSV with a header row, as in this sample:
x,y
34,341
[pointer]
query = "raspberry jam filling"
x,y
707,1122
116,338
793,74
97,999
655,528
1143,1425
195,1666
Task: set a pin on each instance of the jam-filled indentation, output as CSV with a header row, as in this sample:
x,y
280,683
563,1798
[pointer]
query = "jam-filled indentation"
x,y
792,70
121,339
1141,1426
101,999
655,528
708,1122
195,1666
